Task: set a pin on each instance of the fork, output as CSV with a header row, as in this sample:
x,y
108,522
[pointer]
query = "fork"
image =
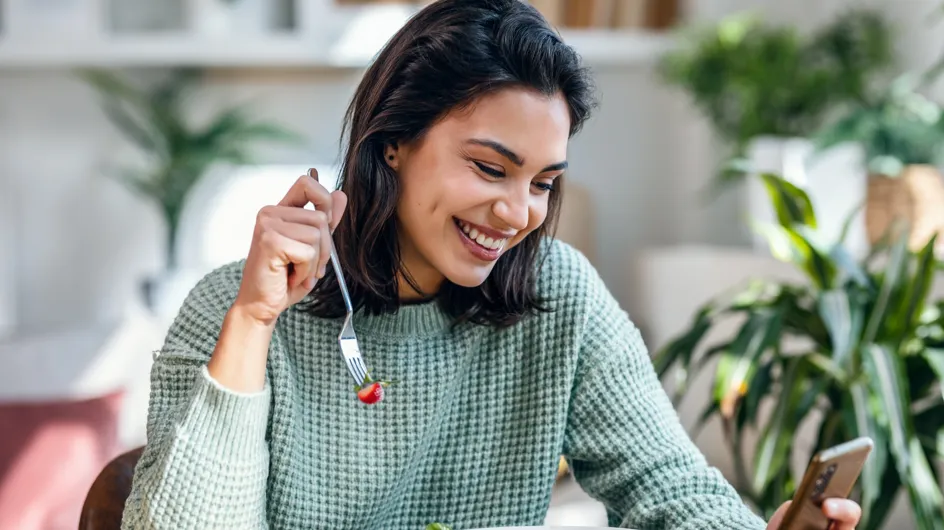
x,y
347,339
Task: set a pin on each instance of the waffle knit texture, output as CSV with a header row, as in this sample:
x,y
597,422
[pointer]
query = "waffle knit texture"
x,y
470,435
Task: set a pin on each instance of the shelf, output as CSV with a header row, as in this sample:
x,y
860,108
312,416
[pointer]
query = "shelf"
x,y
598,47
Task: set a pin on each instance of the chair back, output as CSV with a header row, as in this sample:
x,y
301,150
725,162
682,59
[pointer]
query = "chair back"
x,y
105,501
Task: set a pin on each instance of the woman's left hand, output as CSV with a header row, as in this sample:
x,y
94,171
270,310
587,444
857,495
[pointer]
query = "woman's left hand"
x,y
844,513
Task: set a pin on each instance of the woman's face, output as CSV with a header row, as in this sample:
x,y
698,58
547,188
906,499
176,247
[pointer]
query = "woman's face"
x,y
477,183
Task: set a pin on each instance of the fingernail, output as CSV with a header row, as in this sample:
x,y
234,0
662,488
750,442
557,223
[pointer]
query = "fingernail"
x,y
313,173
831,505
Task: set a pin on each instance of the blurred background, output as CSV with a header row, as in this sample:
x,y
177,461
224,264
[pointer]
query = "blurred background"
x,y
783,156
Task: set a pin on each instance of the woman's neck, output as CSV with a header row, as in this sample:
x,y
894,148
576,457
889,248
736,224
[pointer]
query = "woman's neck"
x,y
426,279
428,285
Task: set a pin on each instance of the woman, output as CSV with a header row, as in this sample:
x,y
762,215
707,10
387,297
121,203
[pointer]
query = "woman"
x,y
506,348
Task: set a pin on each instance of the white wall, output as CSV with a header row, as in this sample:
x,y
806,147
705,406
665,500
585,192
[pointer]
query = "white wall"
x,y
79,236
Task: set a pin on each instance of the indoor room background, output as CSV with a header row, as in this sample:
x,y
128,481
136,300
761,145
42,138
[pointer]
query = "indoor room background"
x,y
87,285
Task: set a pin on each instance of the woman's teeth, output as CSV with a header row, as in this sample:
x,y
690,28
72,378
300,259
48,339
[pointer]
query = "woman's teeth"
x,y
482,239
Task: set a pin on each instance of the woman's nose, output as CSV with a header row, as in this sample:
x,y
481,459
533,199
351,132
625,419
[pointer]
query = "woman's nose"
x,y
513,211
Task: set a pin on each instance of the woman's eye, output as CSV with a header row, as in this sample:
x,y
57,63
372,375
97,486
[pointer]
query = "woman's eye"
x,y
490,171
544,186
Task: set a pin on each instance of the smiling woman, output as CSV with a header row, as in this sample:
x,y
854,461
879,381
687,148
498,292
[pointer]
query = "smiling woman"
x,y
461,140
505,348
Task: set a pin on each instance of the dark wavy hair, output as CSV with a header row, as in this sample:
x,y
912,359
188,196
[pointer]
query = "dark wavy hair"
x,y
446,57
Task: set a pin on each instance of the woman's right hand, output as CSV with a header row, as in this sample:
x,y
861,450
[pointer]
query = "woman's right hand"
x,y
290,249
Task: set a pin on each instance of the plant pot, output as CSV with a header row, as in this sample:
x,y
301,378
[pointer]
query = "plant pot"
x,y
835,182
915,197
228,17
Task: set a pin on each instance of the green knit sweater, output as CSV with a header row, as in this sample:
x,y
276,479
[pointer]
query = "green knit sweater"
x,y
470,436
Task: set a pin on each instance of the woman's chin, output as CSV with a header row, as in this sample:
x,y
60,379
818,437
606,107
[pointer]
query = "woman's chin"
x,y
469,276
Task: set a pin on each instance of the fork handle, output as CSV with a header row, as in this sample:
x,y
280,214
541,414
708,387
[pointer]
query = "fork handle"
x,y
336,263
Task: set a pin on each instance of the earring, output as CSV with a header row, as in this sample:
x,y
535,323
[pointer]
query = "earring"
x,y
390,158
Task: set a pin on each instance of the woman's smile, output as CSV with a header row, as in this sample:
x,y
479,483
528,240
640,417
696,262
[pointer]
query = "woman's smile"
x,y
482,242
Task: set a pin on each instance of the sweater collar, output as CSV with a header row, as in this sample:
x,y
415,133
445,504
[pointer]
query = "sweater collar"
x,y
418,319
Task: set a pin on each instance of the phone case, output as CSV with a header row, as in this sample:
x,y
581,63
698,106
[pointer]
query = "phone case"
x,y
832,473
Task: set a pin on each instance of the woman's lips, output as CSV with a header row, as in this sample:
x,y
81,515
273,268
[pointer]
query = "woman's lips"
x,y
482,247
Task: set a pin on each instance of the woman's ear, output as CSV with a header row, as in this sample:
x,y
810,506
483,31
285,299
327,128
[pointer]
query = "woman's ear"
x,y
391,155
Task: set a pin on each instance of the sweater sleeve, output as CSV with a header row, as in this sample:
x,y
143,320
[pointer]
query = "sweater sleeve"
x,y
626,446
206,461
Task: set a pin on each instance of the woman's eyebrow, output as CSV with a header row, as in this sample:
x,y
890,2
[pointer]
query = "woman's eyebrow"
x,y
513,157
499,148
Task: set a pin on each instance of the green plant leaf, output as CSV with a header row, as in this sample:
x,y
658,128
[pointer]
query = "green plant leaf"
x,y
777,438
884,372
136,181
709,412
801,317
886,380
861,417
682,348
759,387
848,267
828,367
924,490
792,205
844,318
935,358
847,129
879,510
738,362
790,246
113,86
889,282
131,126
939,442
903,319
850,219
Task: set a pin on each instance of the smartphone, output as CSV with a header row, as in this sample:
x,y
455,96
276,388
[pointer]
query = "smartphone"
x,y
831,473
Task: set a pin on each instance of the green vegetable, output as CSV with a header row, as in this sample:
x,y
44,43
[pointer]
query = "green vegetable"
x,y
437,526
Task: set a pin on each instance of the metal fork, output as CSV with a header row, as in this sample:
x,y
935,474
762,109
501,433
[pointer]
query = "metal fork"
x,y
347,339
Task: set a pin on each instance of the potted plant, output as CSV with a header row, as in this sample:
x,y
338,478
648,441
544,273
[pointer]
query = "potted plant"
x,y
856,349
177,152
902,134
766,89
